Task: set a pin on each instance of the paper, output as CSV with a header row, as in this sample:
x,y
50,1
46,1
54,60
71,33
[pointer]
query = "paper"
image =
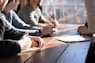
x,y
54,29
73,38
32,49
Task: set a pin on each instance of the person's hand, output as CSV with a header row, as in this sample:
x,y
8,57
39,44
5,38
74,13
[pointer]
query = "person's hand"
x,y
55,22
37,41
25,42
48,30
49,23
83,30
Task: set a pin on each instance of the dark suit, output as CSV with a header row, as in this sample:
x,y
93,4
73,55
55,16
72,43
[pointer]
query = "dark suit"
x,y
8,44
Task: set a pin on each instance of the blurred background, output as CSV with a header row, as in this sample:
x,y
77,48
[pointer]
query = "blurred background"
x,y
65,11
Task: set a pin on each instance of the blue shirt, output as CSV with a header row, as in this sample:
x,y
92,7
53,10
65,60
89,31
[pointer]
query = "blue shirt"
x,y
16,22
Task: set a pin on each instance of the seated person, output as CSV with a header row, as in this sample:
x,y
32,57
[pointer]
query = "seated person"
x,y
31,14
17,23
17,41
90,10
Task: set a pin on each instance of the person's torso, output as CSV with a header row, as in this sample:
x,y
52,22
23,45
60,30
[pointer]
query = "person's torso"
x,y
30,16
36,13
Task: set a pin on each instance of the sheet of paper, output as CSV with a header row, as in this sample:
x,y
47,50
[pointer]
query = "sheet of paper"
x,y
73,38
33,49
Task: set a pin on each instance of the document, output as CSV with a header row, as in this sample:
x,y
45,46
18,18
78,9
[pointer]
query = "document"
x,y
32,49
73,38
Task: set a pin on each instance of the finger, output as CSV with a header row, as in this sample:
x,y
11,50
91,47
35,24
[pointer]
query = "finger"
x,y
41,42
35,43
38,41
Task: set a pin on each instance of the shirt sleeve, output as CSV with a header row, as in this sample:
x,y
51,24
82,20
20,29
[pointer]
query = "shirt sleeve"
x,y
12,34
27,28
42,18
17,22
9,48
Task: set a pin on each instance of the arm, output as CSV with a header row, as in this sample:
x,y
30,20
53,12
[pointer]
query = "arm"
x,y
31,30
9,48
12,34
8,32
27,41
18,23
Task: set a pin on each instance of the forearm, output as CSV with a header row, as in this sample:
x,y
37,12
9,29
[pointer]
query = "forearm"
x,y
9,48
25,42
12,34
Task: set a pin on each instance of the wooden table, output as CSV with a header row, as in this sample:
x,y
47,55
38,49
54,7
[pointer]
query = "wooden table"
x,y
55,51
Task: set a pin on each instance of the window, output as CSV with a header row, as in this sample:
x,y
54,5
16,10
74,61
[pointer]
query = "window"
x,y
65,11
